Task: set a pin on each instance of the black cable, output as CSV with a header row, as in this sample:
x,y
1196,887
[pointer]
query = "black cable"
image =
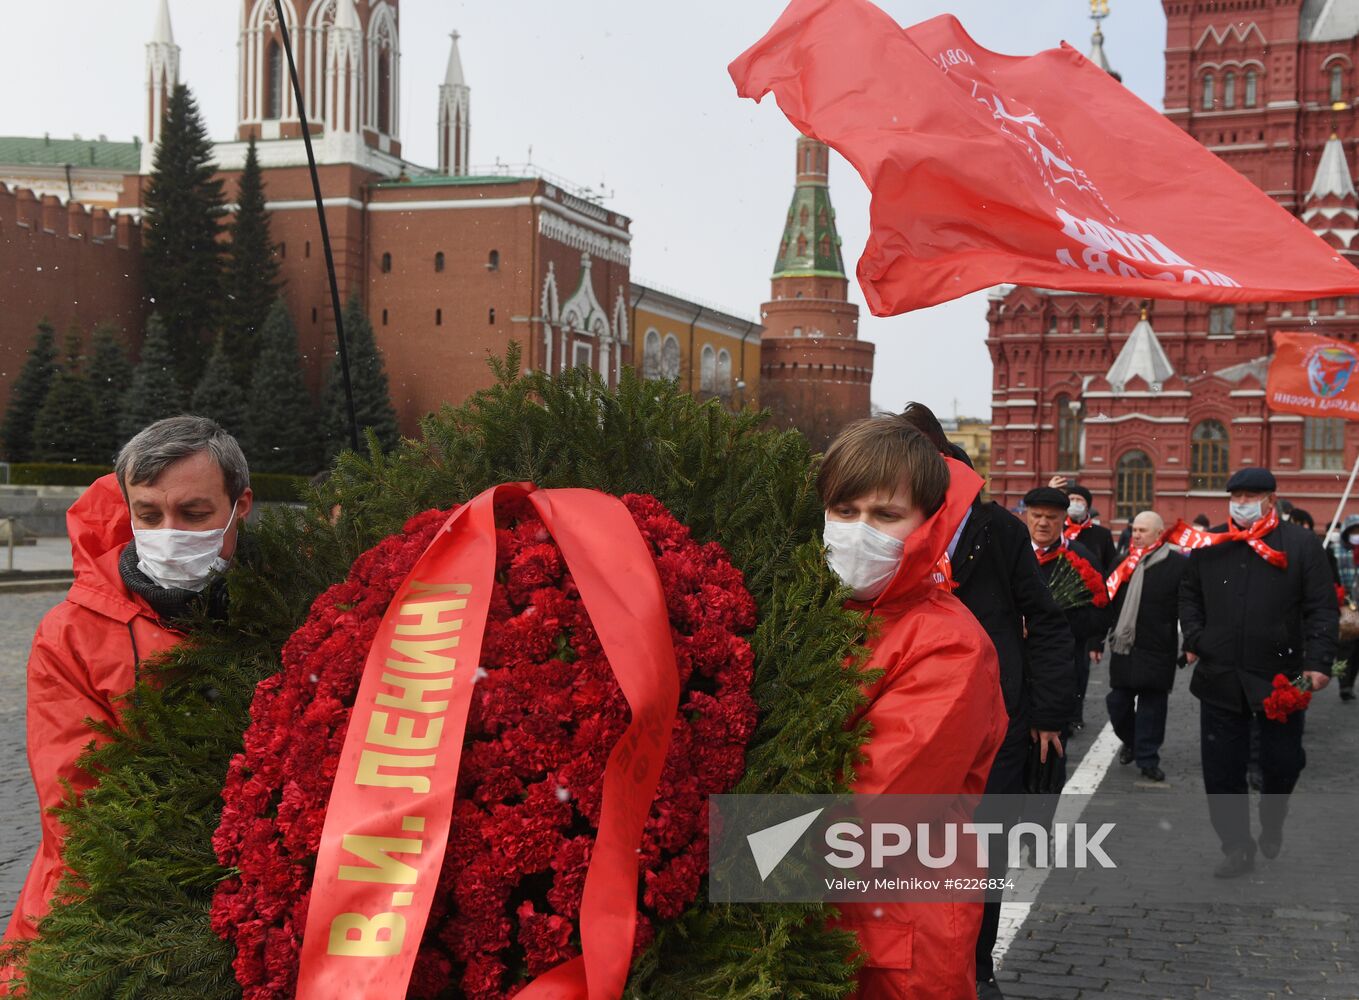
x,y
325,230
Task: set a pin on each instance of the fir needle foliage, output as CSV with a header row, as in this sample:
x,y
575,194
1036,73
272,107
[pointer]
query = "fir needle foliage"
x,y
27,395
133,920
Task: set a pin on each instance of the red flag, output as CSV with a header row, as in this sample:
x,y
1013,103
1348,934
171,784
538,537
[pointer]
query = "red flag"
x,y
1040,170
1313,376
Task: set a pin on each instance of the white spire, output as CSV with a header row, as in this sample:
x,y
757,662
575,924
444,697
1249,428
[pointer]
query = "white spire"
x,y
1333,172
347,16
162,77
1097,55
162,35
455,109
1141,356
453,77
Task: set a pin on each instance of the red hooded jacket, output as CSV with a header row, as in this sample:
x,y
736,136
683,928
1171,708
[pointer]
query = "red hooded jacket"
x,y
938,717
84,659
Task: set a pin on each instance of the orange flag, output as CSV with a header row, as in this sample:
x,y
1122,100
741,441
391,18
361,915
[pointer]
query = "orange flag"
x,y
1314,376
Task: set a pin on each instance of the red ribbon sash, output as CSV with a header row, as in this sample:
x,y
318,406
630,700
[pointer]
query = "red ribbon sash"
x,y
1072,531
391,807
1045,557
1189,537
1124,572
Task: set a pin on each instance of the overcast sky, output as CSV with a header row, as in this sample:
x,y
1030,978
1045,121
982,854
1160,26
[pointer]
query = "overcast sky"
x,y
633,94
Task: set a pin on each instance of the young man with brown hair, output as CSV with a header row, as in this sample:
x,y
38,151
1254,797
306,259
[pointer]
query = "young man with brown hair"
x,y
936,715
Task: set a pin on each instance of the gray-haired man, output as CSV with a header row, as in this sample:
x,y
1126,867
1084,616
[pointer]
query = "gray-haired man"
x,y
148,545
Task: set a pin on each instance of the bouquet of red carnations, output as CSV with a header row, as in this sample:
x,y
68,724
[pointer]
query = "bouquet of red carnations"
x,y
1288,696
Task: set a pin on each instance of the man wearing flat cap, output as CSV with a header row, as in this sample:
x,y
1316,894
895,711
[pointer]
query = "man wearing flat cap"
x,y
1045,512
1257,600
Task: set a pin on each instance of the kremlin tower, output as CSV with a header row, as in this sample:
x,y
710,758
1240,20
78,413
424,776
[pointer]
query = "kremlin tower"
x,y
815,374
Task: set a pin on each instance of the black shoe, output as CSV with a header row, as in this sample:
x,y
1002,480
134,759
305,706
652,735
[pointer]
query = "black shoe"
x,y
1271,844
988,990
1125,754
1235,864
1347,694
1153,774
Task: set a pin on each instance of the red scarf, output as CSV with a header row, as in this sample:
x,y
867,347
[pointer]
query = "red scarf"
x,y
1046,556
1124,572
943,575
1072,531
1189,537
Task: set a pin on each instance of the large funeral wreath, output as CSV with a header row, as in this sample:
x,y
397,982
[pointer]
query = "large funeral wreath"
x,y
173,897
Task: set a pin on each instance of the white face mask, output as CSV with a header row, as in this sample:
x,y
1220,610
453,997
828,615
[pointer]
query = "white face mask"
x,y
1246,514
862,556
183,559
1352,537
1077,510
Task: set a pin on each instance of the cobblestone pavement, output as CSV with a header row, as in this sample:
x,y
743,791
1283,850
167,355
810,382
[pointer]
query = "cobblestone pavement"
x,y
1183,950
19,617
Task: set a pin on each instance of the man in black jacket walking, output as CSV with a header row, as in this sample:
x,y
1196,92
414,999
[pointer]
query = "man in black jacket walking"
x,y
1257,600
993,571
1142,646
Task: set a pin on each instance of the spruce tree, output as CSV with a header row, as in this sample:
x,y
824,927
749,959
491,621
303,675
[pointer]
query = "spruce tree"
x,y
183,207
110,374
280,424
252,282
67,426
27,394
154,392
372,398
219,395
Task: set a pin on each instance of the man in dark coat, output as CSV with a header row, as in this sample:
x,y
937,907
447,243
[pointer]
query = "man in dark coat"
x,y
1098,541
994,573
1257,600
1142,647
1044,516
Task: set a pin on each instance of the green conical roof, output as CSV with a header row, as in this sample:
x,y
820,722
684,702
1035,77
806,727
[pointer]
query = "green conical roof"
x,y
810,244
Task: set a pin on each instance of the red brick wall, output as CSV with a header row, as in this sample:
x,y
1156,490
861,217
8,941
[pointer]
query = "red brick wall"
x,y
67,265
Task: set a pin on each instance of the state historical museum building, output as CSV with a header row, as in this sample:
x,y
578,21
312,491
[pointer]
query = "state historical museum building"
x,y
1152,403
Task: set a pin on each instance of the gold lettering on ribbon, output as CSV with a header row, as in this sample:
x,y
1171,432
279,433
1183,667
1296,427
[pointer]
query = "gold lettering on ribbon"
x,y
374,769
381,867
369,943
404,736
412,696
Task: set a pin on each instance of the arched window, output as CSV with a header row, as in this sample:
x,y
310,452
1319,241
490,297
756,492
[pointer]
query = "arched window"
x,y
1323,443
1337,83
275,82
384,94
1209,457
707,372
1229,90
724,372
490,317
1252,87
438,317
670,357
1134,485
801,245
1208,92
386,263
439,262
1052,323
1068,434
651,355
493,261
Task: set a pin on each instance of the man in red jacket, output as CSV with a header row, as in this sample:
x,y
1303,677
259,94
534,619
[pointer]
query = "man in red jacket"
x,y
937,715
148,544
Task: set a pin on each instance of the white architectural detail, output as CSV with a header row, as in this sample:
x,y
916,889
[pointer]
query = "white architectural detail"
x,y
344,84
1141,356
584,316
1335,20
162,77
258,33
579,238
455,103
384,74
1333,173
1238,29
550,309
